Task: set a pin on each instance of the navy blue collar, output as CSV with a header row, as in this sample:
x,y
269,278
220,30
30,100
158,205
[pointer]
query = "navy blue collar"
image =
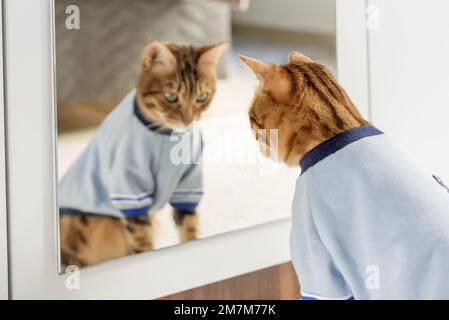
x,y
336,143
147,123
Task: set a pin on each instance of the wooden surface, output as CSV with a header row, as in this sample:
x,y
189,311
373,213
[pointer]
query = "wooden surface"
x,y
276,283
80,115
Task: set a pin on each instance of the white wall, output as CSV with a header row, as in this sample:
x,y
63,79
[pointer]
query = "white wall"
x,y
317,16
409,75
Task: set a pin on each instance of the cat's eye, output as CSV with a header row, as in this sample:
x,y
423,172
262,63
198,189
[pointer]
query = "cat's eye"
x,y
170,96
202,97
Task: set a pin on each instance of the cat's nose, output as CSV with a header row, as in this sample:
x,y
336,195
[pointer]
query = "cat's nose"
x,y
187,118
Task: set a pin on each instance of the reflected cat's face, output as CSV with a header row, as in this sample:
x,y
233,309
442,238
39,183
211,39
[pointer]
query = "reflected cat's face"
x,y
177,82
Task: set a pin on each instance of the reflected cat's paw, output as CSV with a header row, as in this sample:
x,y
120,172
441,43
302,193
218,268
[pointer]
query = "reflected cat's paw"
x,y
187,224
141,233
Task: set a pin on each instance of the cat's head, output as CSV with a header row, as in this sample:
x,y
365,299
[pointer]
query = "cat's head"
x,y
177,82
303,101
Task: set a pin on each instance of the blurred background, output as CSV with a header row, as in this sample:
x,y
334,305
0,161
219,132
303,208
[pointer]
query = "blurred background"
x,y
99,63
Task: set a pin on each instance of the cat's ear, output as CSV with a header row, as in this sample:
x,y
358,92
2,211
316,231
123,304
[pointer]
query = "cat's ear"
x,y
210,55
158,54
264,71
272,77
298,57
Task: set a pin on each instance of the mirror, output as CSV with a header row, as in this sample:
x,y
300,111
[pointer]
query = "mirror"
x,y
175,159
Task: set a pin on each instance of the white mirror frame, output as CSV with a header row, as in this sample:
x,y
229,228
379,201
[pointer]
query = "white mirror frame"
x,y
33,236
3,210
353,52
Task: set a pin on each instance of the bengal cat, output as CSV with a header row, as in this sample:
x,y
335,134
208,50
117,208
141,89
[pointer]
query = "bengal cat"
x,y
175,86
361,201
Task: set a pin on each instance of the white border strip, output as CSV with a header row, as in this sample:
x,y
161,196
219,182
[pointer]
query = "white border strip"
x,y
136,197
3,208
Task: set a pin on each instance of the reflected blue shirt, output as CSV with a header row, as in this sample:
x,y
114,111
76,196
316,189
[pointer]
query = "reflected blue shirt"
x,y
132,167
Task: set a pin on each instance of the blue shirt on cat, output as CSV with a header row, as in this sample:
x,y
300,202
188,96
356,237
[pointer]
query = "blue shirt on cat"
x,y
369,223
132,167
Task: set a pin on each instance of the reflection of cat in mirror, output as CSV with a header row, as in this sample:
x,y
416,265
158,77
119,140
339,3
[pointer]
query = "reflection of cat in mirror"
x,y
108,196
367,221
